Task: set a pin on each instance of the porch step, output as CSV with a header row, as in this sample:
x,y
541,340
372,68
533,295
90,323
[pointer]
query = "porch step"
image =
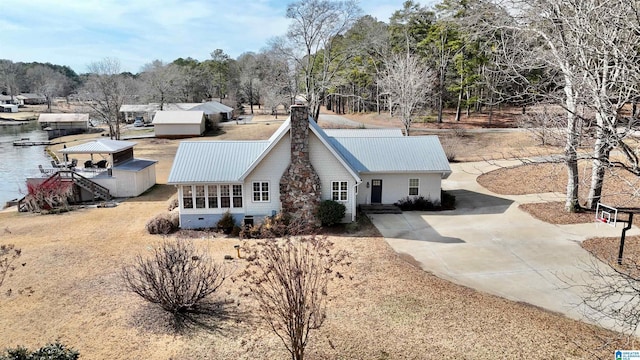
x,y
380,209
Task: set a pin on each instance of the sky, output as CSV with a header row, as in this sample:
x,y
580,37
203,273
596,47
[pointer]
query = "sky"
x,y
136,32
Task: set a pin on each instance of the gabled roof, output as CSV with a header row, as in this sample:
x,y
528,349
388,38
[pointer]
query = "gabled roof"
x,y
212,107
100,146
51,118
407,154
32,96
283,129
178,117
214,161
233,161
389,132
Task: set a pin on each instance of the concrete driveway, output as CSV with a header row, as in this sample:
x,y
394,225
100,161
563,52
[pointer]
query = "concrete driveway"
x,y
489,244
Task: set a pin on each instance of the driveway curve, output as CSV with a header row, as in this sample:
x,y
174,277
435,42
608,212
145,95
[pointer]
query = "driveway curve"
x,y
489,244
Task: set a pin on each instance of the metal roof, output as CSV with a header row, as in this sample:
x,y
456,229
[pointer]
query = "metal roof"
x,y
134,165
139,108
178,117
394,154
327,141
214,161
389,132
100,146
212,107
53,118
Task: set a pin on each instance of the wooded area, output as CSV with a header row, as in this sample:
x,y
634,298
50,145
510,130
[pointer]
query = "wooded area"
x,y
468,55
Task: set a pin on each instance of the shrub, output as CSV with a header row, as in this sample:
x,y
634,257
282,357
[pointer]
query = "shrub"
x,y
448,201
271,227
165,223
55,351
176,277
330,212
420,203
173,203
226,222
8,254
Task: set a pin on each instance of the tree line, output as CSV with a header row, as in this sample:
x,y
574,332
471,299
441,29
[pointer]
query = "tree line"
x,y
467,55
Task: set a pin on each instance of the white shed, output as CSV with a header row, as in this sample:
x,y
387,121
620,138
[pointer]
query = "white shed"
x,y
177,124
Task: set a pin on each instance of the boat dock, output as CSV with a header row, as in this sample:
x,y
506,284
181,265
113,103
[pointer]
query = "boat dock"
x,y
28,142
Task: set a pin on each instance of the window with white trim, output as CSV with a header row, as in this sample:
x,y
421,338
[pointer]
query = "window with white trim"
x,y
212,196
339,190
261,191
225,196
187,197
237,196
200,199
414,186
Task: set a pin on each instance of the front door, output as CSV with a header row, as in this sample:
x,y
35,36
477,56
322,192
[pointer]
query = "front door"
x,y
376,191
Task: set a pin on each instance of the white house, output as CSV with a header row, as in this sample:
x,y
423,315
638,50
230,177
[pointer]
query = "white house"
x,y
9,108
302,163
176,124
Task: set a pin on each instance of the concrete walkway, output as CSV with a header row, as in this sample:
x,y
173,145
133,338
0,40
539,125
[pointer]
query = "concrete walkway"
x,y
489,244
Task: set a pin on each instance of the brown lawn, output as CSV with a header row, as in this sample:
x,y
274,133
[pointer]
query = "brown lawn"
x,y
67,286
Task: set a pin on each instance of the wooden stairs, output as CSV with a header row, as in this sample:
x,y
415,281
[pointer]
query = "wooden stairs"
x,y
98,191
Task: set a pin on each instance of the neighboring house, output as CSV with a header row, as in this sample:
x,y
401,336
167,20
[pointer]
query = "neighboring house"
x,y
131,112
301,164
32,99
63,124
177,124
213,110
8,108
7,99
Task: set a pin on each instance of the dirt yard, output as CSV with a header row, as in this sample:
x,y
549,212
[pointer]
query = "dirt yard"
x,y
67,287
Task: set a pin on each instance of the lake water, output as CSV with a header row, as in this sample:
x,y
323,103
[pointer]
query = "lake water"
x,y
19,162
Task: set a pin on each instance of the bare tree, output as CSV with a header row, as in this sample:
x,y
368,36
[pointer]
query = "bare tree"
x,y
594,47
315,27
277,81
611,293
9,77
177,276
289,280
8,255
106,90
407,82
160,82
46,82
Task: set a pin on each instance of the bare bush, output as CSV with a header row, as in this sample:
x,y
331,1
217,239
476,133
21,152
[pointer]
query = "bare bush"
x,y
173,203
289,280
176,277
451,145
48,196
546,128
164,223
8,255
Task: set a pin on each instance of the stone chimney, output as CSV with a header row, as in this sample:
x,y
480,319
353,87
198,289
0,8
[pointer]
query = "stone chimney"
x,y
300,183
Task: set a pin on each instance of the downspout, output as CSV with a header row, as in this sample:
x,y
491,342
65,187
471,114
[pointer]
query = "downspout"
x,y
354,204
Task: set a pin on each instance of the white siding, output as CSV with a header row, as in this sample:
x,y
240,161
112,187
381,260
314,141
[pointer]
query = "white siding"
x,y
330,169
270,169
179,129
396,187
128,183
